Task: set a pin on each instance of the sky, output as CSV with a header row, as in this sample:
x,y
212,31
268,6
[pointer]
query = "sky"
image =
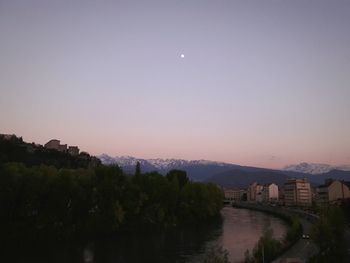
x,y
262,83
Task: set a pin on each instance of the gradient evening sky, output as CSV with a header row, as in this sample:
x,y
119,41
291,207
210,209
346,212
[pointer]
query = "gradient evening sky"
x,y
264,83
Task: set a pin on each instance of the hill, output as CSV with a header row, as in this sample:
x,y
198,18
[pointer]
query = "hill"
x,y
14,149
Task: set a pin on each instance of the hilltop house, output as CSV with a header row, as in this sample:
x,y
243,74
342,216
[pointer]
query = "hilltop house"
x,y
55,144
73,150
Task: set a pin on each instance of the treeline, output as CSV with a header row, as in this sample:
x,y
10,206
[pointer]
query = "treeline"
x,y
42,202
14,149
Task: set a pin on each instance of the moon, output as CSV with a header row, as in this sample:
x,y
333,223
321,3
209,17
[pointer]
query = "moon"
x,y
182,55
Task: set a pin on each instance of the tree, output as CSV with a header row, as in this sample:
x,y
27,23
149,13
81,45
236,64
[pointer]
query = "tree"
x,y
328,234
109,185
294,232
267,248
216,254
138,169
181,177
43,202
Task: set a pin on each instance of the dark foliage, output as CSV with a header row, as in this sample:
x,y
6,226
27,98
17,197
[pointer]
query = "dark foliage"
x,y
43,202
179,176
265,250
328,234
15,150
138,169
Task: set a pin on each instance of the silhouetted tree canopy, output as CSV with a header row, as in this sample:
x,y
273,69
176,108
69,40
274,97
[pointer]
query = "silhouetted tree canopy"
x,y
49,195
328,234
180,176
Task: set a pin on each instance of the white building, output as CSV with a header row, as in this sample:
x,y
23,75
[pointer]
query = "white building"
x,y
270,193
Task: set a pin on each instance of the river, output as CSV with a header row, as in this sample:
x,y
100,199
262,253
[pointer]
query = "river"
x,y
239,230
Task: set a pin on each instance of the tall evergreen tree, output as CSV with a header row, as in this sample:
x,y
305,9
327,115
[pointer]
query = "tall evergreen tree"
x,y
180,175
138,169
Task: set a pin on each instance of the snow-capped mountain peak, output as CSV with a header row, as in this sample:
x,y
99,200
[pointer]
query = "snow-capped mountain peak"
x,y
315,168
162,165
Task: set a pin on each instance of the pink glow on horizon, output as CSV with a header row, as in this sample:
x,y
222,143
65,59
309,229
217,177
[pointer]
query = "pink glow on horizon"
x,y
191,149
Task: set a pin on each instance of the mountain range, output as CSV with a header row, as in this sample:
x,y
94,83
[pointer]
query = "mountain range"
x,y
231,175
198,170
315,168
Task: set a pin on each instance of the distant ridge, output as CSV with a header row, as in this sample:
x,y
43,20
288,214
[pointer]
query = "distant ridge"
x,y
225,174
241,179
315,168
193,167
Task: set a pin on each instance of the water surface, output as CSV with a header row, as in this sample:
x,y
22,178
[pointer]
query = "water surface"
x,y
238,231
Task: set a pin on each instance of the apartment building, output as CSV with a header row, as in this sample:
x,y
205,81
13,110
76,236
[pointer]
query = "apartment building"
x,y
333,191
254,192
270,193
297,192
233,194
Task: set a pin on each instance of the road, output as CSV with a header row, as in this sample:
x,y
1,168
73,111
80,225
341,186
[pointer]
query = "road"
x,y
302,250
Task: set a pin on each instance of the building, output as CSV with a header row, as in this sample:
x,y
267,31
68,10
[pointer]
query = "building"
x,y
254,192
297,192
258,193
235,194
333,191
62,147
8,136
281,195
55,145
270,193
73,150
232,194
251,192
243,193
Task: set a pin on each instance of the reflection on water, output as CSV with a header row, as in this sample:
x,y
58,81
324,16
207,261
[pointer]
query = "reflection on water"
x,y
242,228
239,231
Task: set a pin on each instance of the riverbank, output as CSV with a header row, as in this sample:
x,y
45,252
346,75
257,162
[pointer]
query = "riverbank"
x,y
297,249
